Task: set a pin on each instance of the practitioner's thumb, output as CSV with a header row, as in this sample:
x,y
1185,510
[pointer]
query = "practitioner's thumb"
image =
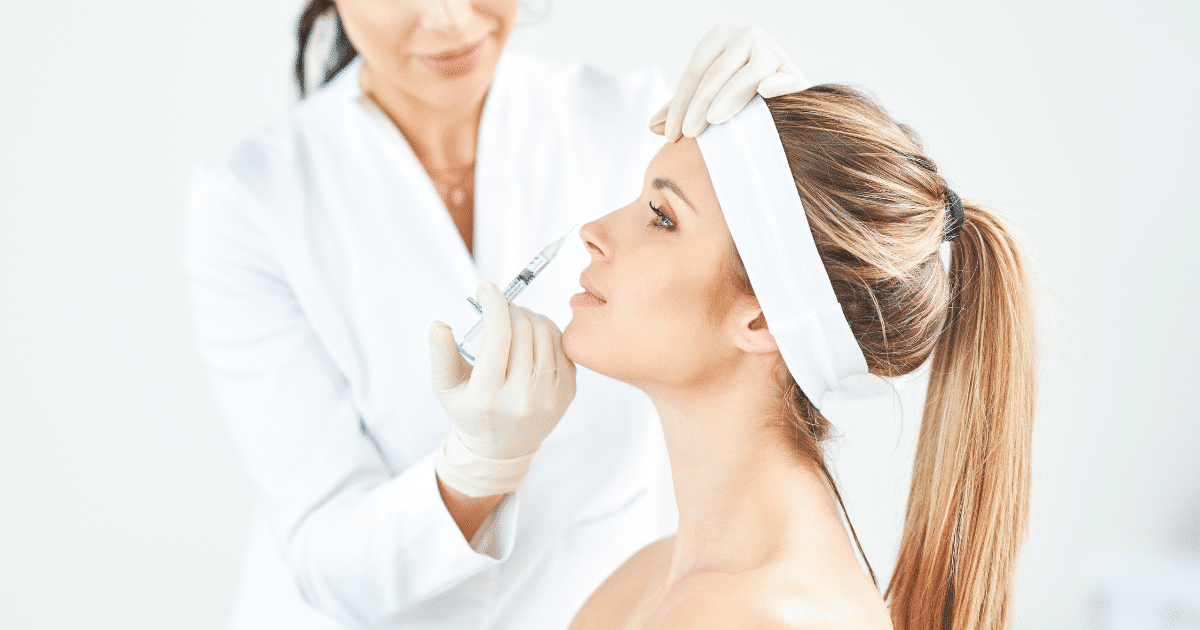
x,y
658,122
447,367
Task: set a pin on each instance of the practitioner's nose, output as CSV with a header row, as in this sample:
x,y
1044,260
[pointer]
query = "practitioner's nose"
x,y
446,15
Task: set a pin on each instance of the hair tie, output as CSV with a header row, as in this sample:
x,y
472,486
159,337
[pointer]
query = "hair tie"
x,y
954,215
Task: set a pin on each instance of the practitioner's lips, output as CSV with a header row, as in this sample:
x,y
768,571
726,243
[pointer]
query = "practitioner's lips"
x,y
455,62
590,296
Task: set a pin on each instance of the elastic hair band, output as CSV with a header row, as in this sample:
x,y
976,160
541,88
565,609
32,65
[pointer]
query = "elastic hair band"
x,y
954,215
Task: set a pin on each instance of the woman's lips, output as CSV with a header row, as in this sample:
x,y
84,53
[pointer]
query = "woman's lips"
x,y
454,63
586,299
589,297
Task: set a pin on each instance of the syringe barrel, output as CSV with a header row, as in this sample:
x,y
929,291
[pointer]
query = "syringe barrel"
x,y
518,285
468,347
526,276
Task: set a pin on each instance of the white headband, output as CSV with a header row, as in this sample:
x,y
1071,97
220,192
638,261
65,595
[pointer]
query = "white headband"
x,y
754,186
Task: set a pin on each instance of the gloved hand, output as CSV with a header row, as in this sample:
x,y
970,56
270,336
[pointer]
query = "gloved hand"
x,y
502,408
729,65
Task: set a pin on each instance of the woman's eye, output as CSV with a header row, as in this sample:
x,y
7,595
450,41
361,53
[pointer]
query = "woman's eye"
x,y
660,220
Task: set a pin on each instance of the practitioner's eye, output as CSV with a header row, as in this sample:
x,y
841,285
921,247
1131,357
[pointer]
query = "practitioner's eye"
x,y
661,220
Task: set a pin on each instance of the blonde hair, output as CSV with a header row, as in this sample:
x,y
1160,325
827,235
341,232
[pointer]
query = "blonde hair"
x,y
877,210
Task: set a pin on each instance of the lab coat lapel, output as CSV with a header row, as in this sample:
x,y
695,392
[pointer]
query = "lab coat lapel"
x,y
513,186
422,210
370,242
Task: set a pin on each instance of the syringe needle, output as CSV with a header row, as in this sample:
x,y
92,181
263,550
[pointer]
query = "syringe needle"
x,y
551,250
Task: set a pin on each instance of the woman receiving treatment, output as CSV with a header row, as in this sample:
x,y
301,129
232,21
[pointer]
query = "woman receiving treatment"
x,y
768,262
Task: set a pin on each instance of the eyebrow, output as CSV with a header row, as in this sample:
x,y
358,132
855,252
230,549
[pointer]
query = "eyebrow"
x,y
660,183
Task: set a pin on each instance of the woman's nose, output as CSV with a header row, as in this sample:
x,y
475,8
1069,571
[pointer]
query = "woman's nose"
x,y
595,238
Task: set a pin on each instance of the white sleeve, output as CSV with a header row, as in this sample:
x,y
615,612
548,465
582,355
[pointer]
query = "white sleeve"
x,y
363,541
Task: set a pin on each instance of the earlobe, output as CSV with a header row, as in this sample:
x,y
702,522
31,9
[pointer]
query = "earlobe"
x,y
752,334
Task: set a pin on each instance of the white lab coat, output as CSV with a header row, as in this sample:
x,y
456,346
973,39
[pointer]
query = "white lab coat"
x,y
319,253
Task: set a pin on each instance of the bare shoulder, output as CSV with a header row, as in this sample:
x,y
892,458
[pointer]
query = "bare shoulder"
x,y
768,600
624,589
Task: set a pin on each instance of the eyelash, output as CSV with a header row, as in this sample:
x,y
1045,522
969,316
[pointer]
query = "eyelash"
x,y
661,221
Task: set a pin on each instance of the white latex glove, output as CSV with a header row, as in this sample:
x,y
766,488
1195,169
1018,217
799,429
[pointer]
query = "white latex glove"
x,y
502,408
729,65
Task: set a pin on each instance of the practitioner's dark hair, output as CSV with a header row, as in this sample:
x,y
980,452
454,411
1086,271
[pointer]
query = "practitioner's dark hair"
x,y
877,210
340,56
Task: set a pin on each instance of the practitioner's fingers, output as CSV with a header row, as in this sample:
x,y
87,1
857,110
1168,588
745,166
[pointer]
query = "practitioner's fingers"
x,y
741,87
726,66
658,122
544,359
710,47
520,353
564,367
788,80
782,83
491,365
448,369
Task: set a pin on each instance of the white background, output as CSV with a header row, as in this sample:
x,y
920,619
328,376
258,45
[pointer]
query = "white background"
x,y
122,503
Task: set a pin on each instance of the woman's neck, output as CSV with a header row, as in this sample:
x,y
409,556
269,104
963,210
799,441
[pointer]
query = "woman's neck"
x,y
441,137
746,498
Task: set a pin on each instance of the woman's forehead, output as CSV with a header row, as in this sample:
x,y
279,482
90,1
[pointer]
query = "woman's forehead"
x,y
679,167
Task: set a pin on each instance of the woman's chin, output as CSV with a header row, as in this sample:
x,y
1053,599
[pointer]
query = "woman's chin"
x,y
582,348
571,344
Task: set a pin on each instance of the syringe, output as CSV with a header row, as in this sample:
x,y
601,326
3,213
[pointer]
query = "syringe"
x,y
514,288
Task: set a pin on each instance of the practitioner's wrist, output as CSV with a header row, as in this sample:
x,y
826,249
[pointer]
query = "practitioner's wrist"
x,y
470,514
466,471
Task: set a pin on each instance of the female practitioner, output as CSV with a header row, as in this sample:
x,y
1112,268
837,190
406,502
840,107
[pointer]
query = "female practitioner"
x,y
322,246
768,262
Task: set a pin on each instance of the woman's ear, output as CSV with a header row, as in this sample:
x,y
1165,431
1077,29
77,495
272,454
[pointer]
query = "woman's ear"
x,y
750,328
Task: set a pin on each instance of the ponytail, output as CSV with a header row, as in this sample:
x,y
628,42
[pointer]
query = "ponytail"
x,y
340,56
968,506
877,207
